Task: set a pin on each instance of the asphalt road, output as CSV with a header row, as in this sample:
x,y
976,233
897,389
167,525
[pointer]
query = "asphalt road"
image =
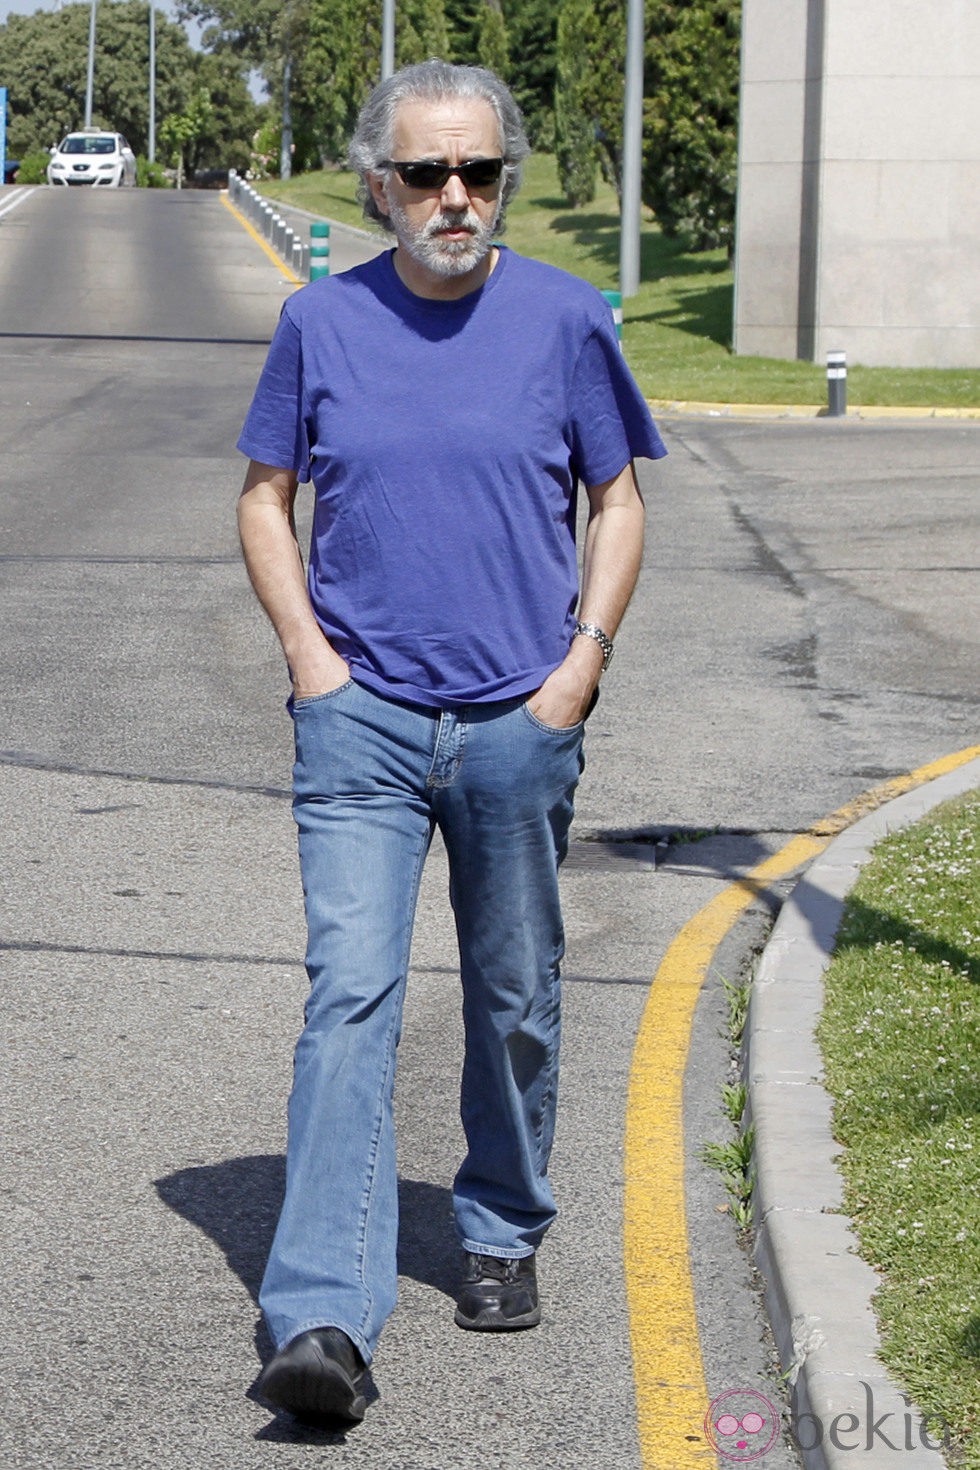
x,y
805,626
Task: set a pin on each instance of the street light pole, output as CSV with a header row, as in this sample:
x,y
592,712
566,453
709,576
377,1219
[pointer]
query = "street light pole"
x,y
629,225
387,39
90,79
151,132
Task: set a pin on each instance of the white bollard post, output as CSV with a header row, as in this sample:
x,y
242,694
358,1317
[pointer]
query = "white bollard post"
x,y
836,385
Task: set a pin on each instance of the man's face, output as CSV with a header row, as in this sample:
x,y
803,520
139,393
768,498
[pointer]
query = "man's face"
x,y
445,231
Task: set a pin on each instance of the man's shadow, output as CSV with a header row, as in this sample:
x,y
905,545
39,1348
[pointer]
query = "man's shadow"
x,y
237,1204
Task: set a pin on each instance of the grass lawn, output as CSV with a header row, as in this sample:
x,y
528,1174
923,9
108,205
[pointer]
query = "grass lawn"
x,y
899,1034
678,327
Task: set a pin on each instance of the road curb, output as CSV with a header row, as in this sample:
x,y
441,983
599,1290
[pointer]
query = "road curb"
x,y
666,407
818,1290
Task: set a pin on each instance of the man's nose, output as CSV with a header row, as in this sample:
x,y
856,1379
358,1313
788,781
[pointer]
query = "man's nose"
x,y
454,194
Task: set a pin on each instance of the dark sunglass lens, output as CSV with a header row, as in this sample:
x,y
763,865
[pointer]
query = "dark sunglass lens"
x,y
481,172
424,175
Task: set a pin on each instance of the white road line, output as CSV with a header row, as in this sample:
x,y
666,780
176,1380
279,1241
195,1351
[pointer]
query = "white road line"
x,y
17,197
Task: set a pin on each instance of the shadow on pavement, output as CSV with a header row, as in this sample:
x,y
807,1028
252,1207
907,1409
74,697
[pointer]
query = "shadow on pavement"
x,y
236,1202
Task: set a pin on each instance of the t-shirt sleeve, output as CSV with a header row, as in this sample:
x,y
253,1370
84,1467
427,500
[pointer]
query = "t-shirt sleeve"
x,y
609,419
275,431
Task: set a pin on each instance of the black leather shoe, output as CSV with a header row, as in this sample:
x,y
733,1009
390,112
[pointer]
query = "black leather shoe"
x,y
498,1294
316,1376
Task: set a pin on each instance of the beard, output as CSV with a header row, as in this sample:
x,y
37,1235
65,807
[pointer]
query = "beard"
x,y
443,257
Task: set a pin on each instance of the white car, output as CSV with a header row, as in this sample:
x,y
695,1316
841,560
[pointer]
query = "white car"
x,y
104,160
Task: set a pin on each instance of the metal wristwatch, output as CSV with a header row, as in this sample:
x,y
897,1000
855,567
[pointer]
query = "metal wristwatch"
x,y
591,630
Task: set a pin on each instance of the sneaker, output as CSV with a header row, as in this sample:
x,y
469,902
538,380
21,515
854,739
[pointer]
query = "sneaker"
x,y
499,1294
316,1376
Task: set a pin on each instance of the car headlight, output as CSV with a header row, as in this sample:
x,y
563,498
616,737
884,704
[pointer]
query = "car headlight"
x,y
106,167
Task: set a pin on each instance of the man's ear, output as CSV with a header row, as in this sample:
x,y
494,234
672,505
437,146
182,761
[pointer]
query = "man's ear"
x,y
376,183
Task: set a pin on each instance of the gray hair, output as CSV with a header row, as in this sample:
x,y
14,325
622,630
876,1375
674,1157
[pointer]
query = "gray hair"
x,y
433,81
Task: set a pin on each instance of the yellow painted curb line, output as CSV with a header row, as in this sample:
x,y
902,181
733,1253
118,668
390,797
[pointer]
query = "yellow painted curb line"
x,y
802,410
247,225
671,1394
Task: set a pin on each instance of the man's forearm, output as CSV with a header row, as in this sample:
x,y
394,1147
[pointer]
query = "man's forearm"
x,y
275,568
613,551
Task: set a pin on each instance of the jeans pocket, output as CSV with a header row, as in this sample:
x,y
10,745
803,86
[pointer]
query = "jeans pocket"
x,y
308,701
555,730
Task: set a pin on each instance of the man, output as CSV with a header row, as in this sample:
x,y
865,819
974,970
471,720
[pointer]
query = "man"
x,y
445,400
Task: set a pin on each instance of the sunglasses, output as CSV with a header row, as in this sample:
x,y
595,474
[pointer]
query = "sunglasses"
x,y
479,173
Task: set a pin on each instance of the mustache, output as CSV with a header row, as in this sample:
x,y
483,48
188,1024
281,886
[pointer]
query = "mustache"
x,y
461,220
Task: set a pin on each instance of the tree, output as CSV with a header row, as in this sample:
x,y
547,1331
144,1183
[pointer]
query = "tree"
x,y
690,116
589,95
180,129
420,31
603,95
433,29
532,29
462,19
342,63
269,37
225,143
575,140
492,49
43,61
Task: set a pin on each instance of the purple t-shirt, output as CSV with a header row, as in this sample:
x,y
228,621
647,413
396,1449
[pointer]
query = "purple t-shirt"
x,y
445,441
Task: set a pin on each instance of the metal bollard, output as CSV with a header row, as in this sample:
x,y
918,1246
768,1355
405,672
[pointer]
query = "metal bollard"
x,y
615,300
836,385
319,250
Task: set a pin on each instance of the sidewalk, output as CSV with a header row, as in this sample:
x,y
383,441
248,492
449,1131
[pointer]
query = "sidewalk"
x,y
669,406
818,1290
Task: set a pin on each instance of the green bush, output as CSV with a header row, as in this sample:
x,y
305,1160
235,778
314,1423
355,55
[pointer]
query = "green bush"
x,y
33,168
150,175
690,115
575,141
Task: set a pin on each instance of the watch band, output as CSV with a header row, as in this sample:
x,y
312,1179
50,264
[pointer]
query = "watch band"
x,y
592,630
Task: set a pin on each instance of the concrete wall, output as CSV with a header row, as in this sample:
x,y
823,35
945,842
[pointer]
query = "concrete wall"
x,y
859,181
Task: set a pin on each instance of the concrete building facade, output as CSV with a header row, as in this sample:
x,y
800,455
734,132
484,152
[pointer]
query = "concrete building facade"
x,y
859,181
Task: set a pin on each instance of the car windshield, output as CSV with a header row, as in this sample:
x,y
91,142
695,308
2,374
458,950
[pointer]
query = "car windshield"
x,y
88,145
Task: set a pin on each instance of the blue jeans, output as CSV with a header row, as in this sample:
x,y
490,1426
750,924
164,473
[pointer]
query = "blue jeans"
x,y
372,780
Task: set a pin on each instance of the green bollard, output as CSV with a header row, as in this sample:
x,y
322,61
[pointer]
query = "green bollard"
x,y
319,250
615,300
